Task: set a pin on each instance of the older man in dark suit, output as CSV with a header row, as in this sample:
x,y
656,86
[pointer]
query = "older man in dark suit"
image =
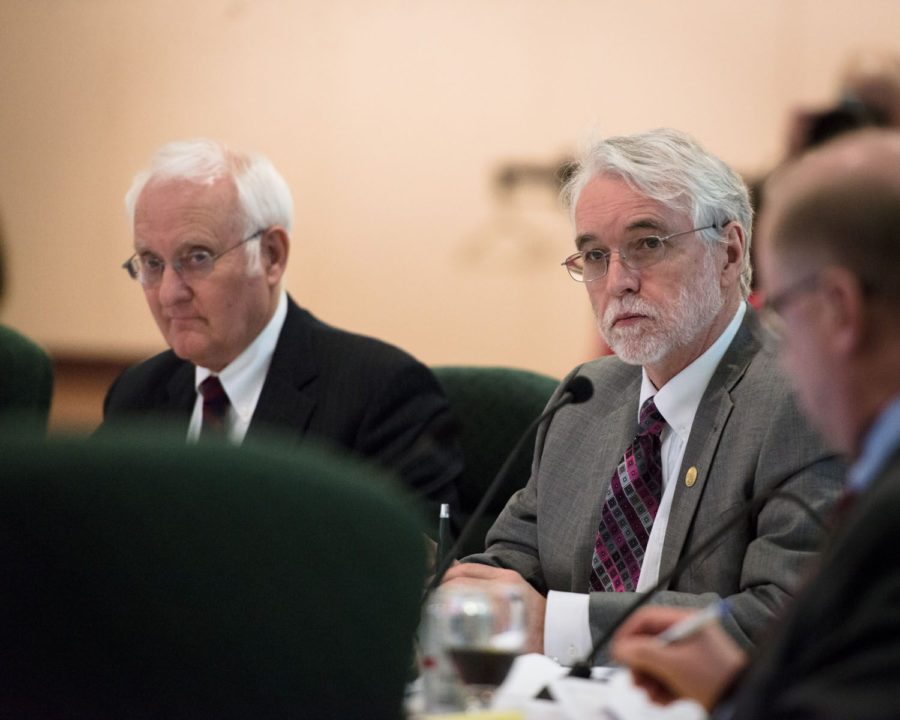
x,y
211,240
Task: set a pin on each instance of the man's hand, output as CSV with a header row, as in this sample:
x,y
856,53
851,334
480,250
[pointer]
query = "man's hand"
x,y
699,667
535,603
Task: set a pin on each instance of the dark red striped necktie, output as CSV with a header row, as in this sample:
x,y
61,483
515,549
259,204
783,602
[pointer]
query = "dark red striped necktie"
x,y
215,408
842,508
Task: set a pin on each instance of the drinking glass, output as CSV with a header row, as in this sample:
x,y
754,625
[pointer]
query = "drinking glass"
x,y
482,629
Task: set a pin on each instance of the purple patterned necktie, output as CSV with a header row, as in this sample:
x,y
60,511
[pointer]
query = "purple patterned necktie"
x,y
632,500
215,407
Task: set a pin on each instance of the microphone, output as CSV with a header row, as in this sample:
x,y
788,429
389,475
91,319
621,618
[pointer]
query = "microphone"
x,y
582,668
578,390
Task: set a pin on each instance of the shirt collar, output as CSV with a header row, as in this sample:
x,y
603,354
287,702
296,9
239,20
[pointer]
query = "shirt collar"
x,y
244,376
678,400
879,444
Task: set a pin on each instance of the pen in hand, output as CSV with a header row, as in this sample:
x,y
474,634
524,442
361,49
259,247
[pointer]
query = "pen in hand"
x,y
695,622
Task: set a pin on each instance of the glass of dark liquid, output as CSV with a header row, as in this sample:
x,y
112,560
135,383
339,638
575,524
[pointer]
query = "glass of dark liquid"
x,y
482,630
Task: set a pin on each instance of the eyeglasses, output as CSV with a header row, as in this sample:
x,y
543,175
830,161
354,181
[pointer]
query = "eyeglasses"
x,y
773,307
193,265
593,264
779,301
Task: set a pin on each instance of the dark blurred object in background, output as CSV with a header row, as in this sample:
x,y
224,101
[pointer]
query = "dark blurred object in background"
x,y
873,76
869,96
850,113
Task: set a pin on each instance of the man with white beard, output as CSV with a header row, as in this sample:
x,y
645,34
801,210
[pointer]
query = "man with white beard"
x,y
689,422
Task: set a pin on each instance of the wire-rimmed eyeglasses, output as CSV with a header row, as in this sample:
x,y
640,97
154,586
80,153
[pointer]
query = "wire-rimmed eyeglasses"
x,y
593,263
773,306
197,263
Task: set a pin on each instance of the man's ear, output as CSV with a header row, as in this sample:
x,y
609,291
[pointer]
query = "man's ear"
x,y
734,242
274,247
845,311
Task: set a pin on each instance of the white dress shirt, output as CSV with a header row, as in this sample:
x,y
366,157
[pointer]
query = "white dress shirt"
x,y
567,633
243,379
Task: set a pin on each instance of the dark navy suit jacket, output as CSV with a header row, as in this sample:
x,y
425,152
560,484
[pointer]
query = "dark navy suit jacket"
x,y
837,652
356,392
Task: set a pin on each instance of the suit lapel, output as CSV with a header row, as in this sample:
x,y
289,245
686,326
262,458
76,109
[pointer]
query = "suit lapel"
x,y
706,433
612,434
287,399
180,397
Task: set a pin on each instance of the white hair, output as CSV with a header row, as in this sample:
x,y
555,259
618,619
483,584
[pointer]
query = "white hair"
x,y
671,168
264,198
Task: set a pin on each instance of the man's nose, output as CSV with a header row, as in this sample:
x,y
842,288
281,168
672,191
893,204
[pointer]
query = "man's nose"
x,y
620,278
172,287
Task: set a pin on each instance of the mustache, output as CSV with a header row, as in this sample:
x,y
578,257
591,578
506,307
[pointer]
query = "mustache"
x,y
628,304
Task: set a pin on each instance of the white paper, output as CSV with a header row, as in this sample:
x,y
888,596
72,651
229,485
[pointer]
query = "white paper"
x,y
608,695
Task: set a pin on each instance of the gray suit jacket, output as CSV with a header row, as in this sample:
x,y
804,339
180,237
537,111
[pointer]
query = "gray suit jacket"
x,y
747,435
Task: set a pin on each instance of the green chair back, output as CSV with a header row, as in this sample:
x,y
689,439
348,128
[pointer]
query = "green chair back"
x,y
149,579
26,379
494,406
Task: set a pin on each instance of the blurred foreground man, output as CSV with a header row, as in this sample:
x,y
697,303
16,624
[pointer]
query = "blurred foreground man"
x,y
830,258
211,241
688,422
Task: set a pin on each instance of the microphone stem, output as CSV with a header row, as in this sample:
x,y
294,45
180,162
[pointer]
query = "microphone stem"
x,y
491,491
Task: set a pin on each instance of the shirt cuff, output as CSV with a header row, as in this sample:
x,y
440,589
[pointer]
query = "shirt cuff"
x,y
567,629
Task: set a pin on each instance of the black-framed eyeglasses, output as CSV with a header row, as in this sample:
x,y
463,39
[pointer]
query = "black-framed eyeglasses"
x,y
195,264
592,264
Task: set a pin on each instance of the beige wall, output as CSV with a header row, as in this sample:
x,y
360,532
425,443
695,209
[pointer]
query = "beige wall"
x,y
388,119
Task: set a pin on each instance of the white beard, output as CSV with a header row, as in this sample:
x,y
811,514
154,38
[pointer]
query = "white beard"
x,y
698,302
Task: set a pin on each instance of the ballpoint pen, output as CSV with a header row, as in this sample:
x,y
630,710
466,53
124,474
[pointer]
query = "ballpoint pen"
x,y
443,534
695,622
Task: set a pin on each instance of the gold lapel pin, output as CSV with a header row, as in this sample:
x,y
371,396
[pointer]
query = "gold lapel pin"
x,y
691,477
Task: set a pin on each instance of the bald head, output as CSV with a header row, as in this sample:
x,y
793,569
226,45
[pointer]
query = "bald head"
x,y
829,258
840,204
